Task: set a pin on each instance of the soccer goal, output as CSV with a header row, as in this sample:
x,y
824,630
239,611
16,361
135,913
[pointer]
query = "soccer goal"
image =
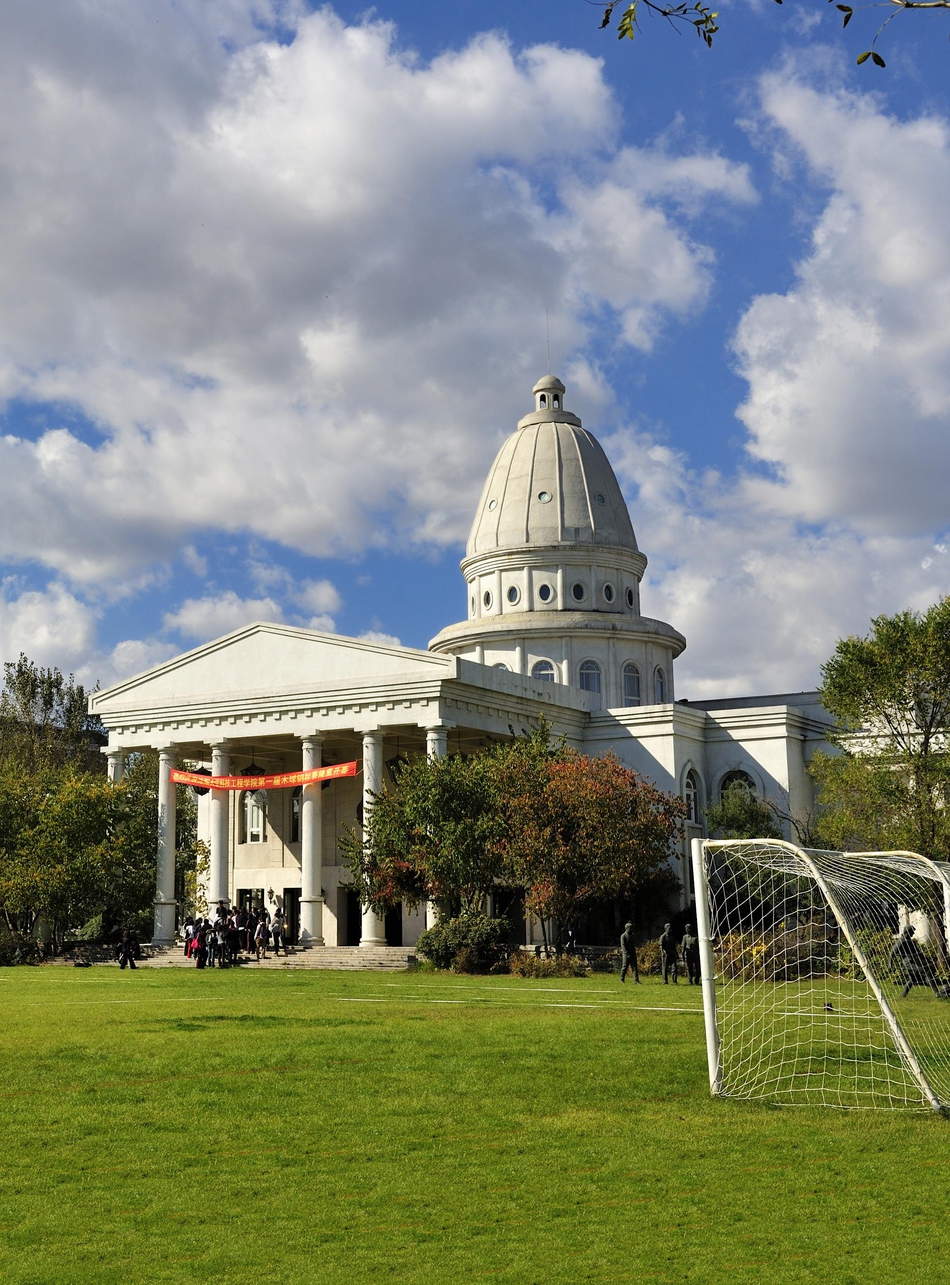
x,y
826,975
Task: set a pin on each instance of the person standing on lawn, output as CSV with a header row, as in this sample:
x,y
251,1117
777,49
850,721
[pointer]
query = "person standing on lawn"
x,y
628,954
125,951
669,953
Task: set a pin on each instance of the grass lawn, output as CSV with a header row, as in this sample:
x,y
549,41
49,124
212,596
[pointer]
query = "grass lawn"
x,y
280,1127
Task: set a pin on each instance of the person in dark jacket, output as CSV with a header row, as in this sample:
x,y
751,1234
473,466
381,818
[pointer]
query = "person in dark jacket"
x,y
691,955
669,954
125,952
628,954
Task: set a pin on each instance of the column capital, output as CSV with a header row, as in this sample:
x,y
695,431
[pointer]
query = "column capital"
x,y
312,738
168,752
377,734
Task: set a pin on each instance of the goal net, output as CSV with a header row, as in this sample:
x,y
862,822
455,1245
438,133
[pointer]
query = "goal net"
x,y
826,976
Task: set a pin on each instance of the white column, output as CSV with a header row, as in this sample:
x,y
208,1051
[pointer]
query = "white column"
x,y
311,848
436,748
220,808
164,931
374,929
115,769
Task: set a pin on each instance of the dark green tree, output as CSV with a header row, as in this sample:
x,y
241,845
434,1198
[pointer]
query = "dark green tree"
x,y
741,815
889,785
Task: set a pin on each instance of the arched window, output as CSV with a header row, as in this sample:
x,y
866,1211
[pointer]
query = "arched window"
x,y
543,670
295,816
631,684
590,676
736,779
543,400
557,401
659,687
254,816
691,793
500,664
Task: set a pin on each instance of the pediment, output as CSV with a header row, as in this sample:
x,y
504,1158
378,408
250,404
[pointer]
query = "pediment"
x,y
264,658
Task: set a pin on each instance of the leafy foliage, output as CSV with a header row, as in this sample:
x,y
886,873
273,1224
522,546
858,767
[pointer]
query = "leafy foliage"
x,y
44,719
571,831
889,787
704,20
741,815
74,848
469,943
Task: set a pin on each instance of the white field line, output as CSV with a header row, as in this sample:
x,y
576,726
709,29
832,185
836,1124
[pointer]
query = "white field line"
x,y
479,1002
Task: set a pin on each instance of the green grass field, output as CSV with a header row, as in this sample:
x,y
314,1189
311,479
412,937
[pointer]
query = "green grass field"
x,y
353,1127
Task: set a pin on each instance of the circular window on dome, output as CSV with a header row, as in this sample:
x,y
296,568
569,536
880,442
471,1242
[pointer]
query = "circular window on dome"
x,y
579,592
544,497
545,593
513,594
601,499
486,598
630,599
608,593
493,504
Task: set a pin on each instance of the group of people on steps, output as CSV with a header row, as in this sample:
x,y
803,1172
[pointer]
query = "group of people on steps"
x,y
230,934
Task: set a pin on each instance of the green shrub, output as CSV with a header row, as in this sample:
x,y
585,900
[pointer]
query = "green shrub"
x,y
525,964
470,943
649,962
20,948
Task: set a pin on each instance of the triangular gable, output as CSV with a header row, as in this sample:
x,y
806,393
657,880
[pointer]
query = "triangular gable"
x,y
265,657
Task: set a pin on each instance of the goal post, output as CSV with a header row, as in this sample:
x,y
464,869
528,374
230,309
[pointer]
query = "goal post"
x,y
825,975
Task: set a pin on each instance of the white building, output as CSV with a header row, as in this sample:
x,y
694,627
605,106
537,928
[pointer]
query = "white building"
x,y
554,630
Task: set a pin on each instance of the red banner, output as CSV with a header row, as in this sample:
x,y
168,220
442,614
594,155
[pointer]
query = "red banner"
x,y
282,781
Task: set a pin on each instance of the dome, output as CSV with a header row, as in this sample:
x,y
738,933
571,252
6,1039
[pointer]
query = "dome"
x,y
551,484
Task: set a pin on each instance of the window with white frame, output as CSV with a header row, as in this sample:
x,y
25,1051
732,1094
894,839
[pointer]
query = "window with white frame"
x,y
590,676
631,684
691,793
543,670
255,817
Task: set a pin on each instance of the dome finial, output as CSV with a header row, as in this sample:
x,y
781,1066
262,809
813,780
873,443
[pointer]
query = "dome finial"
x,y
548,393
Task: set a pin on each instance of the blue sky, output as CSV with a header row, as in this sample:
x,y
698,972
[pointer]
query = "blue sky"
x,y
274,292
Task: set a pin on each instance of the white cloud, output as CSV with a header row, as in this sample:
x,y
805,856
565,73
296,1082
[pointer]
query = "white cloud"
x,y
51,626
319,595
204,618
376,636
288,286
848,406
849,371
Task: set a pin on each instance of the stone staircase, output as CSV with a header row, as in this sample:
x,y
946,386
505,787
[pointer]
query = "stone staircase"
x,y
379,958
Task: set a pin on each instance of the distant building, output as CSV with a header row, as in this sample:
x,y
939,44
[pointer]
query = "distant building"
x,y
554,630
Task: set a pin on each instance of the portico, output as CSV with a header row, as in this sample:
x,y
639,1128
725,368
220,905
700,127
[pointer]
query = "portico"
x,y
211,708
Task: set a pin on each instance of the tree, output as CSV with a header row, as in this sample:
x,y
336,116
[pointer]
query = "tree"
x,y
590,832
529,813
44,719
703,19
439,837
889,785
74,849
741,815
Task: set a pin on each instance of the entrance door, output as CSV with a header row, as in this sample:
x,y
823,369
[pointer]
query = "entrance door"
x,y
394,926
352,916
292,915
